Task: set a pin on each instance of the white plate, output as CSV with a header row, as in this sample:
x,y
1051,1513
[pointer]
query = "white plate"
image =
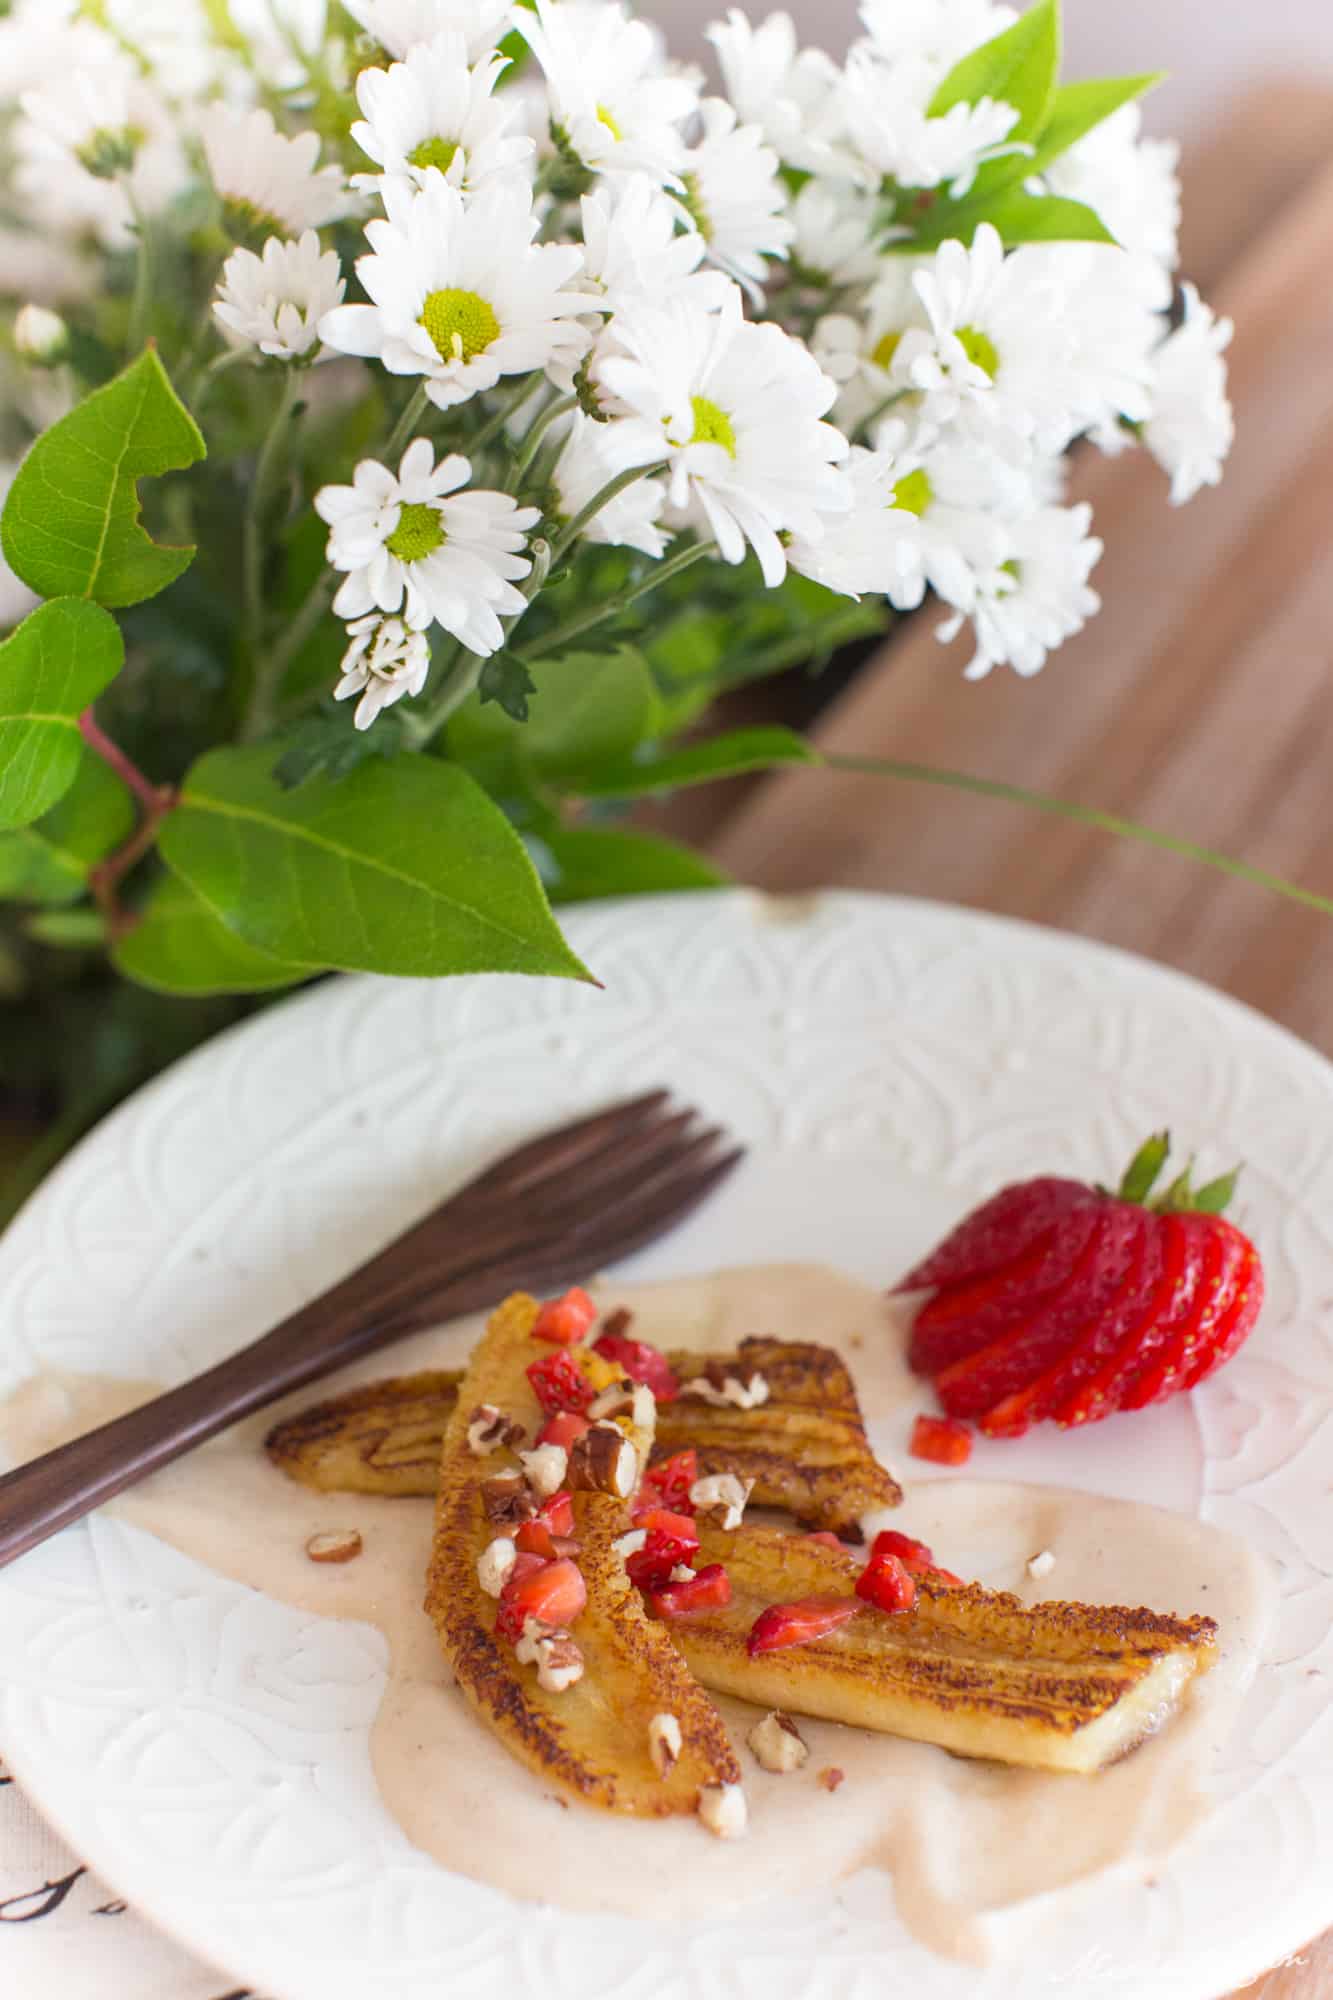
x,y
888,1061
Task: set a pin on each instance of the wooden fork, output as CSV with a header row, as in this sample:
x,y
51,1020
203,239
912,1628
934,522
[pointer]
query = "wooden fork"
x,y
555,1210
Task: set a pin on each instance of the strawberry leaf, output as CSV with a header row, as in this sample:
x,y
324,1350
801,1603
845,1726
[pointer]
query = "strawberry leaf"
x,y
1214,1196
1143,1170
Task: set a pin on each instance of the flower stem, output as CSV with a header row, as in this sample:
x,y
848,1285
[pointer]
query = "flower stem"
x,y
573,529
263,679
598,614
148,794
141,305
1128,829
466,671
401,434
156,802
533,441
496,422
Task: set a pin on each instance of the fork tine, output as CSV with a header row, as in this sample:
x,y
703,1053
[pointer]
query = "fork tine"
x,y
641,1220
556,1152
631,1162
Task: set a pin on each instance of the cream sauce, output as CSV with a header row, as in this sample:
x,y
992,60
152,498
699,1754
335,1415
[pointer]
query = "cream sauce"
x,y
968,1844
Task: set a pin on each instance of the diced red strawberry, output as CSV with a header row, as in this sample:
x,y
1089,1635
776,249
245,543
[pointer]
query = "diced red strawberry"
x,y
563,1428
1001,1230
914,1556
670,1480
641,1362
534,1539
827,1537
887,1583
1062,1320
957,1322
681,1527
553,1593
559,1382
650,1567
944,1579
565,1320
796,1624
707,1590
942,1440
557,1514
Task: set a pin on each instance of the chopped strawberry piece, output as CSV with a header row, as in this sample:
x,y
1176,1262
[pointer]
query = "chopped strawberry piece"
x,y
534,1539
707,1590
672,1539
557,1514
798,1623
944,1579
559,1382
553,1593
942,1440
914,1556
670,1481
641,1362
680,1527
567,1320
827,1537
563,1428
886,1583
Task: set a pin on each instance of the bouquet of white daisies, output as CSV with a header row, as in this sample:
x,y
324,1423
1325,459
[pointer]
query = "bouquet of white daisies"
x,y
494,373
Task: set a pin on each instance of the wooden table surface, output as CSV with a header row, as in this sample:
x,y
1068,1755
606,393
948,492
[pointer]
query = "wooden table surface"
x,y
1200,700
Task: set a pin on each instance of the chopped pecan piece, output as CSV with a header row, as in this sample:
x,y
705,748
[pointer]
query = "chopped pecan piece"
x,y
489,1428
508,1499
777,1743
342,1546
664,1741
604,1461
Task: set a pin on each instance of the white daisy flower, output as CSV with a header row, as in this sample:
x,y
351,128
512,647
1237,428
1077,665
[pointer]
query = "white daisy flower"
x,y
859,349
270,182
275,302
789,92
636,251
461,294
41,336
734,196
885,106
1112,316
833,234
593,454
16,600
936,32
998,347
735,409
384,661
95,146
432,114
1191,427
38,48
1042,596
1130,181
915,524
416,546
400,25
614,104
283,34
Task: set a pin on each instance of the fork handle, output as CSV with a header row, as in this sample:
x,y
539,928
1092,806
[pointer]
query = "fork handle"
x,y
60,1487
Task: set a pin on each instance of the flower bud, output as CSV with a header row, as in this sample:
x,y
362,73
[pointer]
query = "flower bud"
x,y
41,335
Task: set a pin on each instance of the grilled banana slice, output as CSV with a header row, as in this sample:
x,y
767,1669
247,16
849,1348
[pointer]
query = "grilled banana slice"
x,y
605,1737
804,1445
1056,1686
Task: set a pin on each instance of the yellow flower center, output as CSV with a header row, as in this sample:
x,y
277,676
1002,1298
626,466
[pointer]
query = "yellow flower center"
x,y
913,493
884,350
980,349
434,153
712,425
692,201
604,117
419,533
461,324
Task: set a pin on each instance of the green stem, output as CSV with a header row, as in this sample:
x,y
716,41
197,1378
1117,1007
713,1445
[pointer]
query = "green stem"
x,y
141,306
263,676
401,434
533,441
304,621
572,531
466,671
1128,829
598,614
497,421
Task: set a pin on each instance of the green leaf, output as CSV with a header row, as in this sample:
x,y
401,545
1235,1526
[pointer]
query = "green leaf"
x,y
405,868
71,527
1017,67
49,861
67,930
179,946
1141,1174
729,756
589,710
587,862
1216,1195
506,682
51,670
1019,217
1076,108
328,745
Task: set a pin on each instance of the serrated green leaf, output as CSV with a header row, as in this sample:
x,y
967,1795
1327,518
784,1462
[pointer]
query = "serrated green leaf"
x,y
1018,67
506,683
405,868
179,946
51,670
588,862
71,525
49,861
729,756
1077,108
328,745
1141,1174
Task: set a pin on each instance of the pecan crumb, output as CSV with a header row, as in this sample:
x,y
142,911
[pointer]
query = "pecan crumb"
x,y
508,1499
742,1389
721,1498
831,1777
488,1428
1041,1564
664,1743
604,1461
341,1547
723,1810
777,1743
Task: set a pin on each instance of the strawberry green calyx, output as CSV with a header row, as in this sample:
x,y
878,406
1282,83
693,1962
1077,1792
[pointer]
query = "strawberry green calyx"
x,y
1181,1197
